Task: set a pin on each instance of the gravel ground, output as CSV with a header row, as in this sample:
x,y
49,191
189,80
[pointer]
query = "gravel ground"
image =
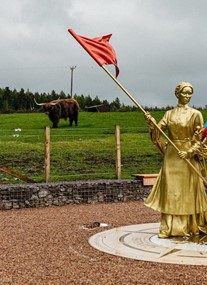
x,y
50,246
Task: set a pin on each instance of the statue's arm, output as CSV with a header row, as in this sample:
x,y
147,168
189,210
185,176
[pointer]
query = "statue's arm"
x,y
154,132
197,145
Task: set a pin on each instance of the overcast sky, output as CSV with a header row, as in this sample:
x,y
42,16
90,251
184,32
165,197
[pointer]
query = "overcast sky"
x,y
158,44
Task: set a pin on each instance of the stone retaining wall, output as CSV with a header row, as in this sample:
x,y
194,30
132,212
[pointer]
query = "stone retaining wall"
x,y
63,193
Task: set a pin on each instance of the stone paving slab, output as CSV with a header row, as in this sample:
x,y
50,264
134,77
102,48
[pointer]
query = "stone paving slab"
x,y
141,242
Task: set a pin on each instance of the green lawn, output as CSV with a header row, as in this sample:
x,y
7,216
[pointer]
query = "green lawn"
x,y
77,153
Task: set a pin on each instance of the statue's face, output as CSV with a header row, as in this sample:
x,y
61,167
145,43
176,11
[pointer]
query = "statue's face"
x,y
185,96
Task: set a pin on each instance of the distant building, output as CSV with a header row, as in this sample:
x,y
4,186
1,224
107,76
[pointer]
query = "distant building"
x,y
98,108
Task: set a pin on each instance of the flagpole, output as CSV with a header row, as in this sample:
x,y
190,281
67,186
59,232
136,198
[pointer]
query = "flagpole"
x,y
155,124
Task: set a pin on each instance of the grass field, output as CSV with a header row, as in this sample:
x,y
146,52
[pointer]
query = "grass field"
x,y
77,153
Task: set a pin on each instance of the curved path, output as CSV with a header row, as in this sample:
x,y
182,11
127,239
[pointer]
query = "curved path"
x,y
141,242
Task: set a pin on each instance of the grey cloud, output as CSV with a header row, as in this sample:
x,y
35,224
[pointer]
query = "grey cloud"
x,y
158,44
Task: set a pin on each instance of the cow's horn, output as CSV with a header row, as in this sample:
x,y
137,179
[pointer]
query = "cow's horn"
x,y
53,103
39,104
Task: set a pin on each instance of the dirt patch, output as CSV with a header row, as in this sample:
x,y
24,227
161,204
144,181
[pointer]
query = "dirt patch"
x,y
50,246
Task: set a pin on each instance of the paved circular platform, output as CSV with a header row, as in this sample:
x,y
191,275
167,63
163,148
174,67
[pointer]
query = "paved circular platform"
x,y
141,242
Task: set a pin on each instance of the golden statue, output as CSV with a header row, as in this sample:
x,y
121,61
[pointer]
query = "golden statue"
x,y
179,192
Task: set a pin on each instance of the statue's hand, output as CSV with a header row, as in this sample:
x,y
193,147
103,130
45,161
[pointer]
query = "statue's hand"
x,y
148,116
184,154
151,121
198,135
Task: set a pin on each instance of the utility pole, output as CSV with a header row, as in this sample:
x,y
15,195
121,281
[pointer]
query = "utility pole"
x,y
71,82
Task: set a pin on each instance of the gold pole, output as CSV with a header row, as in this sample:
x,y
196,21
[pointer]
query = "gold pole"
x,y
155,124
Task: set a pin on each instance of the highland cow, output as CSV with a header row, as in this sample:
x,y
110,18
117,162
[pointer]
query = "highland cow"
x,y
61,109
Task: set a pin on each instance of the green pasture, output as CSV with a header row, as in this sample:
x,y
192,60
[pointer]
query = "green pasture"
x,y
77,153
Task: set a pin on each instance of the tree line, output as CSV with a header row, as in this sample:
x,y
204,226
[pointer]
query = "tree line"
x,y
23,101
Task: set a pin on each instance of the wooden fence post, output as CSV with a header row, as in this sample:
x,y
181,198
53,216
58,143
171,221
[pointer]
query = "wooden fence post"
x,y
118,152
47,154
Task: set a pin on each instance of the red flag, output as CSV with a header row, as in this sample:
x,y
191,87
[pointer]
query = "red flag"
x,y
99,48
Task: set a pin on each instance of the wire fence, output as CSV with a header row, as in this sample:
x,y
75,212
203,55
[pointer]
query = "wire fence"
x,y
77,154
